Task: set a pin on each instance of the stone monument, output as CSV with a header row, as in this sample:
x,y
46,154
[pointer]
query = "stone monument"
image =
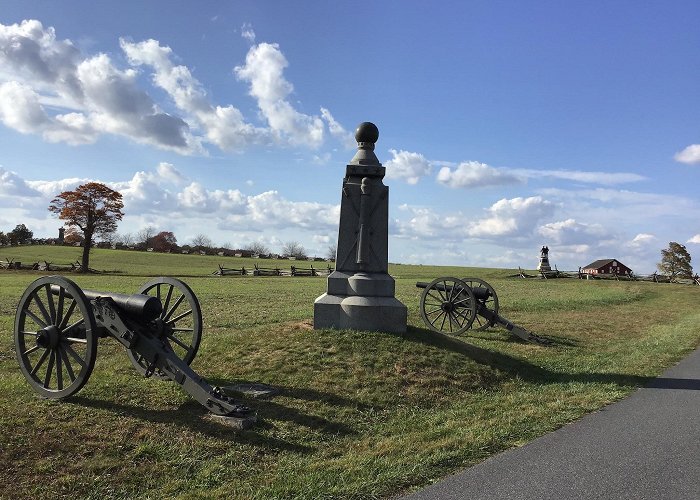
x,y
544,260
360,292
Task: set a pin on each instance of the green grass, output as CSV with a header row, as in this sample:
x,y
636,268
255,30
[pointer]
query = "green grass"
x,y
360,414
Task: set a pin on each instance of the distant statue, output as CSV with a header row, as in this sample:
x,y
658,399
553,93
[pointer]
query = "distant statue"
x,y
544,260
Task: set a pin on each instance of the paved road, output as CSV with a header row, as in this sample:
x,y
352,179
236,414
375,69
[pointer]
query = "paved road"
x,y
645,447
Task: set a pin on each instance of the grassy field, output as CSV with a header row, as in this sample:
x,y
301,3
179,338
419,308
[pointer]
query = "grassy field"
x,y
359,415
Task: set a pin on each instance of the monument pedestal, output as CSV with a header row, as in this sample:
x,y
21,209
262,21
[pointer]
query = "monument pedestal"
x,y
362,301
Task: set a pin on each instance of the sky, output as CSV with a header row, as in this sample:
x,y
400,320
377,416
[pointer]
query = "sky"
x,y
503,125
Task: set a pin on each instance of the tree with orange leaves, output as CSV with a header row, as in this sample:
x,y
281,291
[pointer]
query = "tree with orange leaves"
x,y
93,208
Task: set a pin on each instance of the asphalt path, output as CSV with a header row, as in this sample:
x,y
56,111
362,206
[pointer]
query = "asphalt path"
x,y
645,447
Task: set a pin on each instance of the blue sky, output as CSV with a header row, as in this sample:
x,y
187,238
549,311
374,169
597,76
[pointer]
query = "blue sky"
x,y
504,126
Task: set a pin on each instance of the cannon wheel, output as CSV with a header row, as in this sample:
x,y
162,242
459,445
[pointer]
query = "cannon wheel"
x,y
55,337
181,316
491,302
447,305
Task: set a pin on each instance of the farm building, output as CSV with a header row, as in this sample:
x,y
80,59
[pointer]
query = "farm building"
x,y
607,266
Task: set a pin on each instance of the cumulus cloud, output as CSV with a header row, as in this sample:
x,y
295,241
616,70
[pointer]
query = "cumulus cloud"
x,y
690,155
471,174
571,233
513,217
12,184
407,166
49,87
507,219
223,126
264,71
695,239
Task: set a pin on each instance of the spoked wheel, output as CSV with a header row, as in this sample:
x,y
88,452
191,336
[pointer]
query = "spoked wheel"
x,y
448,305
180,323
55,337
485,297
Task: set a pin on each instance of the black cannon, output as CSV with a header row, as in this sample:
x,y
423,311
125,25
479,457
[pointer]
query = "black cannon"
x,y
57,326
452,305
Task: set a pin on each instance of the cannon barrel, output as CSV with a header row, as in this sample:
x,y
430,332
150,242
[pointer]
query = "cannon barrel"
x,y
480,293
144,307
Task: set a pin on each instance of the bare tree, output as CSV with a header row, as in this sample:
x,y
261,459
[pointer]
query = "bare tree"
x,y
145,234
202,241
332,251
293,249
126,239
258,248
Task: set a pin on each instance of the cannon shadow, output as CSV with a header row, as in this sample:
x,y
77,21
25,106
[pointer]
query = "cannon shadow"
x,y
536,374
189,415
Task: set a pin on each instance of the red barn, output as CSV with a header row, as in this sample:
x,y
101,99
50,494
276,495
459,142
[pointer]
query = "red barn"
x,y
607,266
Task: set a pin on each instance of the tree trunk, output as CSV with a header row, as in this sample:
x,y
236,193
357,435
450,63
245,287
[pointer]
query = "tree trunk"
x,y
87,244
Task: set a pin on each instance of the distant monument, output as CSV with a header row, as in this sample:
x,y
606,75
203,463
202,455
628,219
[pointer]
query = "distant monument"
x,y
360,293
61,235
544,260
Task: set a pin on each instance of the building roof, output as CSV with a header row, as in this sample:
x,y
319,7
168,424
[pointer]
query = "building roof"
x,y
601,263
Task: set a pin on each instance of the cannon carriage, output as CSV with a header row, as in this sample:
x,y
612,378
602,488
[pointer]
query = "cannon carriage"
x,y
57,327
453,305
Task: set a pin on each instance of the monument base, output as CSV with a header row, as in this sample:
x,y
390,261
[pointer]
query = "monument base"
x,y
383,314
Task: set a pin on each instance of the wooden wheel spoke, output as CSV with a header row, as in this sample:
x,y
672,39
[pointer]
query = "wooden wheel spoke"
x,y
177,330
77,323
59,307
69,313
433,311
50,302
49,369
42,308
66,363
35,318
31,350
437,318
59,370
33,334
167,300
40,362
179,342
74,355
73,340
442,326
180,316
172,309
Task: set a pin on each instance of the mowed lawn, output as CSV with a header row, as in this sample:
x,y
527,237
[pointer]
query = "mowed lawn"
x,y
359,415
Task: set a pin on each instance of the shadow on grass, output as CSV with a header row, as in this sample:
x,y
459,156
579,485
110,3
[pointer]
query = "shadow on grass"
x,y
190,415
271,410
523,369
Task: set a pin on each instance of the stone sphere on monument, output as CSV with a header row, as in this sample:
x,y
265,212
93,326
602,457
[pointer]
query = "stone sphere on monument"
x,y
367,132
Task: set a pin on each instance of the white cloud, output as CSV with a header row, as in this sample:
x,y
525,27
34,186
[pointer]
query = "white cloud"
x,y
407,166
643,239
42,73
690,155
603,178
471,174
223,126
247,32
48,87
505,220
13,185
571,233
516,217
695,239
337,130
264,71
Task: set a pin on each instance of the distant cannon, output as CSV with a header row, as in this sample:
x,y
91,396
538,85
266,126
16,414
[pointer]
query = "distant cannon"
x,y
57,326
452,305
